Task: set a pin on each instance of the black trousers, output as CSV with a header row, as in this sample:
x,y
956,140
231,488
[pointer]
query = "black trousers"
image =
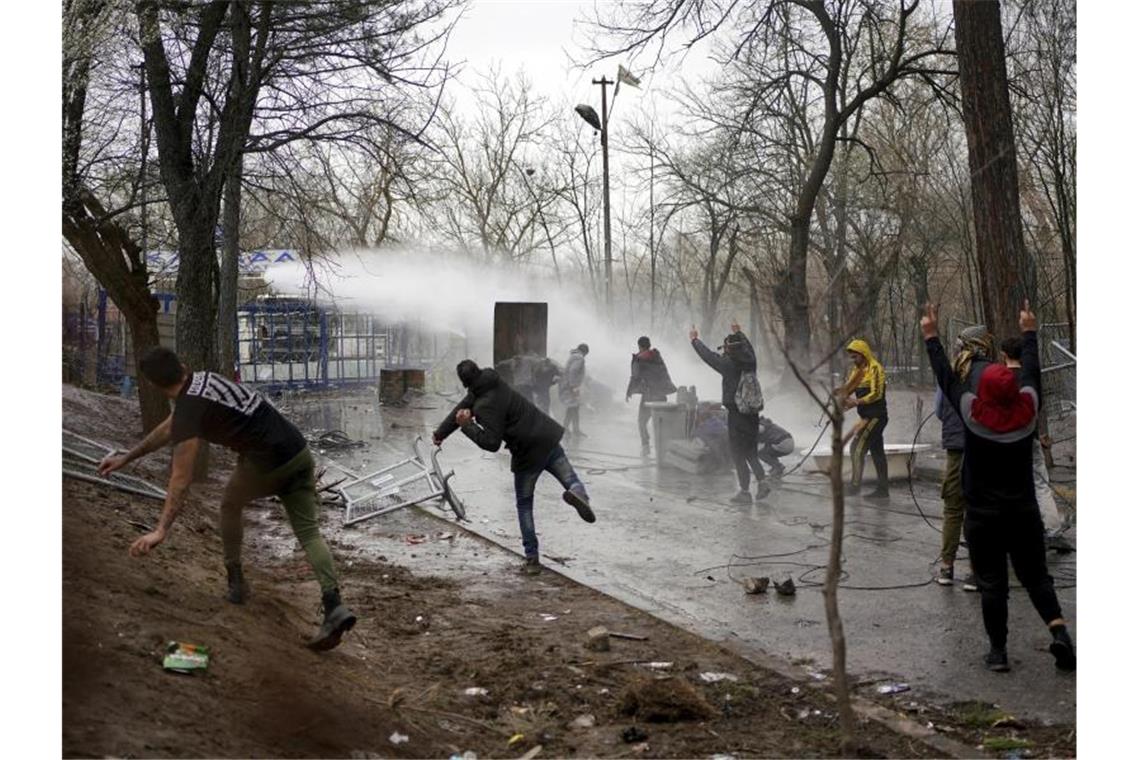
x,y
992,536
870,438
743,431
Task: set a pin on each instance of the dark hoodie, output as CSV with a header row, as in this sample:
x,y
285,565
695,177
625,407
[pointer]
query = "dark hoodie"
x,y
997,464
730,366
649,376
503,415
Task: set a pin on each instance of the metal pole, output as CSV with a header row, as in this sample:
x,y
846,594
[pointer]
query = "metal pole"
x,y
652,249
606,194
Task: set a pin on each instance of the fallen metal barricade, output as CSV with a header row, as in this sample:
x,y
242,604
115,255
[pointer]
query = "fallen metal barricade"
x,y
81,457
407,482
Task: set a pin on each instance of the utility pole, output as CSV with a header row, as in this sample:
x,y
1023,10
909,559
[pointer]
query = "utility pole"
x,y
652,249
603,82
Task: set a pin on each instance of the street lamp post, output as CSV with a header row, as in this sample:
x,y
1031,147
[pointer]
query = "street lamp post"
x,y
591,117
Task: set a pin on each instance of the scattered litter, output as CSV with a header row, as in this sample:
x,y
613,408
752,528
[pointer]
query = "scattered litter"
x,y
643,747
633,734
1007,721
723,757
415,538
893,688
603,690
787,588
795,689
475,691
657,665
532,752
583,721
468,755
548,618
398,738
445,536
756,585
185,658
598,639
718,677
518,710
630,636
515,739
818,676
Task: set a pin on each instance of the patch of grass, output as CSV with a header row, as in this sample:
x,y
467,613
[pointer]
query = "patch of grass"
x,y
1003,743
976,714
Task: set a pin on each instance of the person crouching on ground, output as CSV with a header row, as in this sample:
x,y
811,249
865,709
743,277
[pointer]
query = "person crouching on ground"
x,y
1002,518
866,391
743,429
775,442
1050,516
273,459
492,414
649,377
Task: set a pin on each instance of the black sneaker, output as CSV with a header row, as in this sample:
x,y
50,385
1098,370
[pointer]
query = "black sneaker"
x,y
762,490
531,566
997,661
742,497
970,583
878,493
580,502
338,621
945,576
777,471
1063,649
237,590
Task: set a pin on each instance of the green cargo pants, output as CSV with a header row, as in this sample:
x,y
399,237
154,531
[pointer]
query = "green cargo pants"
x,y
295,484
953,507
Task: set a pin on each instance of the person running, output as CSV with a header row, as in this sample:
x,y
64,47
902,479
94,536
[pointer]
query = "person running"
x,y
493,414
273,459
775,442
570,389
649,377
1003,523
743,429
866,392
953,501
1050,516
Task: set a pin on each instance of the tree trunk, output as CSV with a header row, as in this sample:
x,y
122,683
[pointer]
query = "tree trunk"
x,y
1004,269
831,584
228,285
153,404
196,296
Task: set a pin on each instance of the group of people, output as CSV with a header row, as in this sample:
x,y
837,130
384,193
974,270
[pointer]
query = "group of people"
x,y
988,406
532,376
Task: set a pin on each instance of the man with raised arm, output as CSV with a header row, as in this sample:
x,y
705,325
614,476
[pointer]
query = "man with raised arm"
x,y
1003,522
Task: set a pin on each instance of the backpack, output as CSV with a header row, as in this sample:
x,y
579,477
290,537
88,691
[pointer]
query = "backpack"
x,y
749,398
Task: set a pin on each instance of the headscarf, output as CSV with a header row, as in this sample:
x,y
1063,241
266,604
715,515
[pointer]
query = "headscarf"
x,y
1000,404
973,343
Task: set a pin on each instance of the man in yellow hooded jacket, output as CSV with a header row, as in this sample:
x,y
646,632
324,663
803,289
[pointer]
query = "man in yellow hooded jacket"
x,y
866,391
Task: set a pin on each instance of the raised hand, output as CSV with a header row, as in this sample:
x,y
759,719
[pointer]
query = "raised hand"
x,y
1027,320
734,327
929,321
693,334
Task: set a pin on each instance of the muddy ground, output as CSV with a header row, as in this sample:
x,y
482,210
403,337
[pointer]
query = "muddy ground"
x,y
440,612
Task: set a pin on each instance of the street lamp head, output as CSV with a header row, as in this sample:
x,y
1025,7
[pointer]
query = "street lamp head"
x,y
589,115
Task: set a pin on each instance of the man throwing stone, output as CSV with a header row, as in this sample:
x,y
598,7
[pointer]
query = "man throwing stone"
x,y
273,459
491,414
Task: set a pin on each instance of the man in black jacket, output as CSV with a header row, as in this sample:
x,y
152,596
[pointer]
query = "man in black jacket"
x,y
491,414
743,429
648,376
1002,519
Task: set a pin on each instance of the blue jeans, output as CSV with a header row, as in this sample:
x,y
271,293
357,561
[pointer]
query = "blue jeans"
x,y
557,465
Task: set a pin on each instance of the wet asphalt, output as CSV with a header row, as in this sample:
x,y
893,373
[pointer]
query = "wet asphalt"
x,y
669,543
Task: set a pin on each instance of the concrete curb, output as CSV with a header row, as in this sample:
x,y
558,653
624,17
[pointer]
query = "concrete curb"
x,y
863,708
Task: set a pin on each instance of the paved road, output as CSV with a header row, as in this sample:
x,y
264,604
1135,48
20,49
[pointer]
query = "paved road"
x,y
669,543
